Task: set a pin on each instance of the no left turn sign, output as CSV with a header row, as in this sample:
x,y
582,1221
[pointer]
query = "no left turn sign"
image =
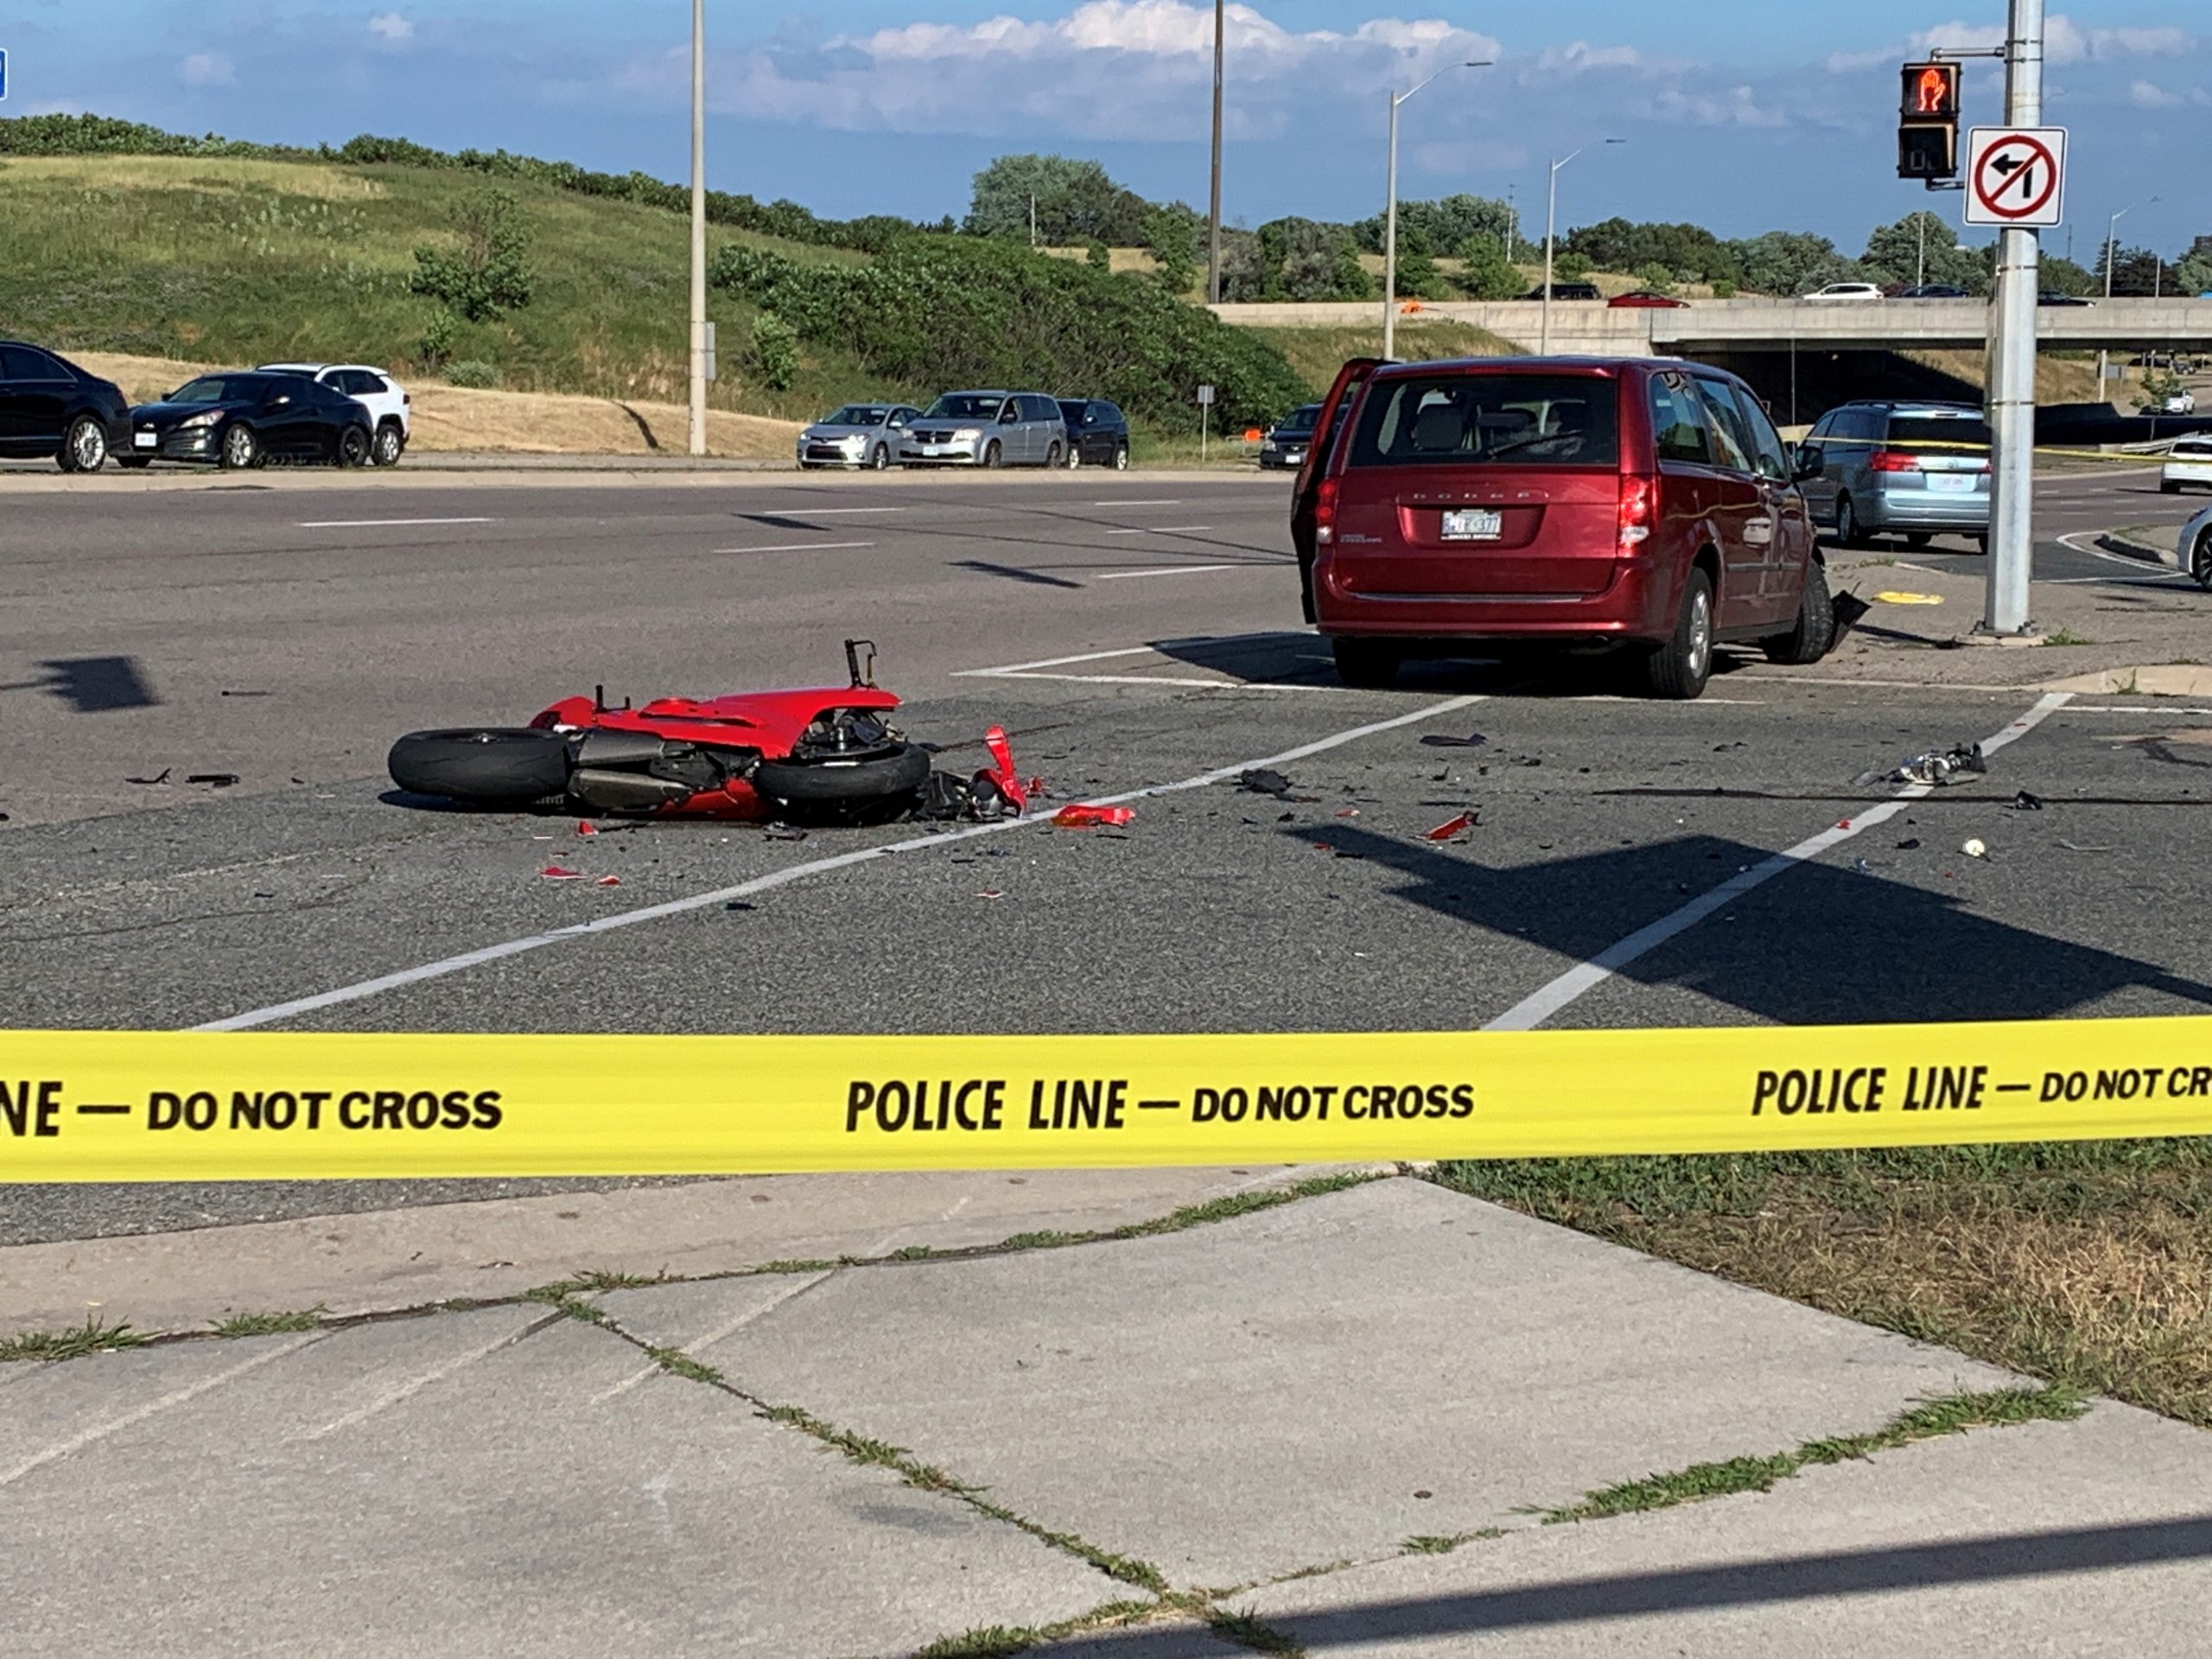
x,y
2015,175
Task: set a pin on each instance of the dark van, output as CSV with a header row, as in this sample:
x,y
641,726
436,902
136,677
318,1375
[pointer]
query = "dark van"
x,y
1647,502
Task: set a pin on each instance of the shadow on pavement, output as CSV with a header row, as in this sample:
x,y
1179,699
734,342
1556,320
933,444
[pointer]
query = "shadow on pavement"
x,y
2057,1553
1860,948
93,685
1496,667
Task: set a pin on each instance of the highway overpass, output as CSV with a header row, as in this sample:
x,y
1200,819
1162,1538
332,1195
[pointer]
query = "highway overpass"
x,y
1758,325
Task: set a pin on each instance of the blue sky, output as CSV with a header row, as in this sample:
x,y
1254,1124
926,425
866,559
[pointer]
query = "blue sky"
x,y
1743,115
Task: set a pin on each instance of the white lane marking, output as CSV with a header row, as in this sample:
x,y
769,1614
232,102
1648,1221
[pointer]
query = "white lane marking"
x,y
2144,566
139,1415
1163,679
415,1385
1160,529
1164,570
824,513
1048,662
802,1281
797,547
374,524
1173,501
428,970
1541,1004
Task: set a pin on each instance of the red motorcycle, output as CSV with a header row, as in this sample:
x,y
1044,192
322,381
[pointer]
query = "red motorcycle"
x,y
756,754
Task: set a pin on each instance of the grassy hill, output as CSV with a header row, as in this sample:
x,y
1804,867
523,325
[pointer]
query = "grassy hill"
x,y
224,260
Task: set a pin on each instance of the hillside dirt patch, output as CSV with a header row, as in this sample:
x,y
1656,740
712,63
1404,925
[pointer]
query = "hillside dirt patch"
x,y
451,418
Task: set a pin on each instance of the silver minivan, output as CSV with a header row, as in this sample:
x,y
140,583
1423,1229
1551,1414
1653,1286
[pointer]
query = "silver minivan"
x,y
1910,469
986,428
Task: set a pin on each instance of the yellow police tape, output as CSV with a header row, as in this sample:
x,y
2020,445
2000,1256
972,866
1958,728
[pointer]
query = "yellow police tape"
x,y
143,1106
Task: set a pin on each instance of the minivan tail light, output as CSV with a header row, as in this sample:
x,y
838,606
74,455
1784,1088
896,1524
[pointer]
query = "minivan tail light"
x,y
1639,499
1324,511
1894,461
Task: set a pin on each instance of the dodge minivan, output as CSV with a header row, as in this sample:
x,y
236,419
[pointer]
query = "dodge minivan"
x,y
1647,502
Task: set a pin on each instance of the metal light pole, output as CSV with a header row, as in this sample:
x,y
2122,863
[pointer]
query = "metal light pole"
x,y
1213,215
2012,357
1551,218
1390,213
1920,271
698,422
2111,249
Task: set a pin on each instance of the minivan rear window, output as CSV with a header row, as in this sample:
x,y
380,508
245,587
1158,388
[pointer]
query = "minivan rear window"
x,y
1519,420
1937,429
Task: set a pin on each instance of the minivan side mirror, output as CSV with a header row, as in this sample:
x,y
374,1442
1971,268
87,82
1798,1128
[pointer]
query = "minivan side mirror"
x,y
1808,461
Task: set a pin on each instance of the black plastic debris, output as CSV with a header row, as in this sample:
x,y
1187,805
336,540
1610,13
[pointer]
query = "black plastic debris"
x,y
161,777
212,779
1911,843
1439,740
2023,801
784,832
1846,608
1262,780
1932,769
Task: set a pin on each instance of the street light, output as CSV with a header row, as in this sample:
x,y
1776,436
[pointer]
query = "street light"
x,y
695,433
1551,220
2111,242
1390,212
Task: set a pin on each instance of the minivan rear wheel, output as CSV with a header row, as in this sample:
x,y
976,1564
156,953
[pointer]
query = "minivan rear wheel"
x,y
1678,669
1847,533
1366,664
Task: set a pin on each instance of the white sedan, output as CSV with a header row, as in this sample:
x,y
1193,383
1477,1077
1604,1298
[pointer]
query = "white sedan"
x,y
1842,293
2188,462
2193,548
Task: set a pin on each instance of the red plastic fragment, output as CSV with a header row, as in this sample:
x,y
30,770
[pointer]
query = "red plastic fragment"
x,y
1458,826
608,881
558,873
1083,818
585,827
1002,771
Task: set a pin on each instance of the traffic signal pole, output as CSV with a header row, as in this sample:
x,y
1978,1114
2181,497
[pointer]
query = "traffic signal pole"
x,y
2013,358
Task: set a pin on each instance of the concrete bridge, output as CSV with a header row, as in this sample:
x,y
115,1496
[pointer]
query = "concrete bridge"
x,y
1704,326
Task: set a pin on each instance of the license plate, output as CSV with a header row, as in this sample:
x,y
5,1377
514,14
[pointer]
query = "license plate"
x,y
1473,524
142,439
1954,483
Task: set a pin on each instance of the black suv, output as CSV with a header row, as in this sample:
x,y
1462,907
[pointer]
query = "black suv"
x,y
49,406
1566,291
1098,433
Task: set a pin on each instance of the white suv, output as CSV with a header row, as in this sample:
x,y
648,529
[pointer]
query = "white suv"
x,y
386,400
1842,293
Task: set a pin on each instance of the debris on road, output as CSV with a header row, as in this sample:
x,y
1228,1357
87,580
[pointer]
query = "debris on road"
x,y
561,872
586,827
784,832
1262,780
1847,609
245,694
2025,801
1086,817
1453,829
1934,768
161,777
2071,848
1910,844
1894,597
1439,740
213,779
1975,848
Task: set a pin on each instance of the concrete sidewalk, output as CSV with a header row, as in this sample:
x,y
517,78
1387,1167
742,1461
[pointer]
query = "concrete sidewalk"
x,y
1335,1425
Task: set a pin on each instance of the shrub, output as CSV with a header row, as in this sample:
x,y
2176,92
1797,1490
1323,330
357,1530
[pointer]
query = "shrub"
x,y
1485,273
1723,289
470,372
958,311
489,272
775,352
438,336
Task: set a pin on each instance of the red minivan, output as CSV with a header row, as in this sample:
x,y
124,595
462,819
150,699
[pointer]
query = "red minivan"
x,y
1646,501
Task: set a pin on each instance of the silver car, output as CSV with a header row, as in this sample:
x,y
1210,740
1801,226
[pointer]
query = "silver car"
x,y
859,434
1909,469
987,428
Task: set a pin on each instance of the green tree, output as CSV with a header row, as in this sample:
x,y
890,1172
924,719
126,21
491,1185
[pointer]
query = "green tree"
x,y
1175,263
488,272
775,352
1484,271
1075,201
1894,253
1099,257
2193,275
1656,277
1571,267
1418,277
1790,262
2062,276
1348,279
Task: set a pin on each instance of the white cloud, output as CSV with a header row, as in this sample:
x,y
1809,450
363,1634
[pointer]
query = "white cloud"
x,y
206,69
1737,107
2148,95
2064,41
391,27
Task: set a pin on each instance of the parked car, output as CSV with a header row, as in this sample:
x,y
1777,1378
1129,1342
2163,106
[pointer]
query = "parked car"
x,y
2188,463
1934,291
1651,298
1286,442
1842,294
392,410
2178,402
1098,433
986,428
1914,469
1566,291
1639,501
236,420
2193,548
858,434
48,406
2049,297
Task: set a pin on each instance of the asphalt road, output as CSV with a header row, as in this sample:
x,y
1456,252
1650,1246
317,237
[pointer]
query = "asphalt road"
x,y
1132,634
